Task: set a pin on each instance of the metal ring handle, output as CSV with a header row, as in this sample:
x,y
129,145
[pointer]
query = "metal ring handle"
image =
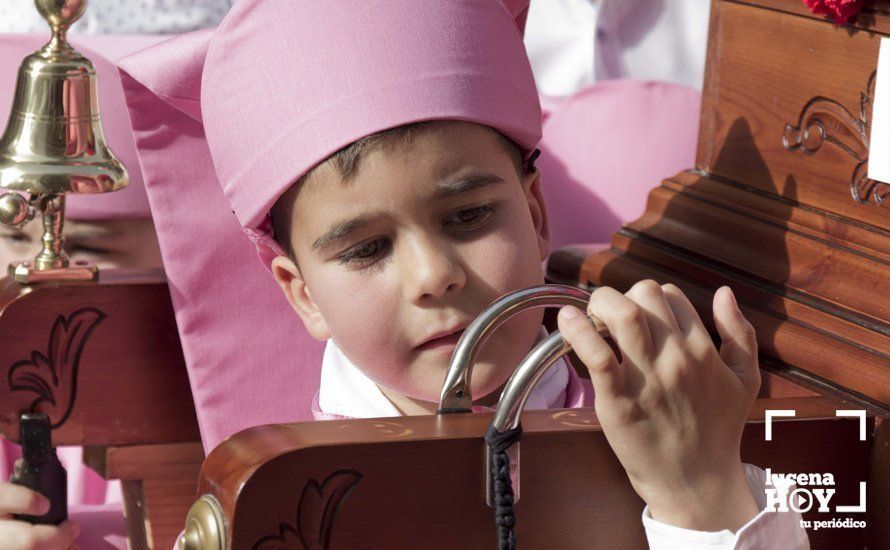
x,y
456,395
519,387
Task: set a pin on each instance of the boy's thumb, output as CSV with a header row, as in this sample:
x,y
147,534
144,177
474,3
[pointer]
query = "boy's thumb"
x,y
739,341
580,332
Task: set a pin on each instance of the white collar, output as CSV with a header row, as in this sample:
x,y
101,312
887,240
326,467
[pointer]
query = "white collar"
x,y
347,391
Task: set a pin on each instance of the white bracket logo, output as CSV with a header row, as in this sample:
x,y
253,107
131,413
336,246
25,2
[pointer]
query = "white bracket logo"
x,y
770,414
861,415
802,499
789,413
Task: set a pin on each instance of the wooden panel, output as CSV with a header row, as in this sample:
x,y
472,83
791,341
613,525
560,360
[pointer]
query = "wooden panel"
x,y
102,359
155,510
158,482
773,386
821,360
831,273
771,209
770,72
778,208
281,483
146,461
167,502
134,513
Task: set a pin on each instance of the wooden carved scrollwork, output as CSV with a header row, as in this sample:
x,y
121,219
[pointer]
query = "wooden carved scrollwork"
x,y
824,120
52,375
316,512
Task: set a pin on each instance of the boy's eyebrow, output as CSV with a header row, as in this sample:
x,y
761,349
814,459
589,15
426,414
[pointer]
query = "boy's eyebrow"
x,y
446,188
339,231
449,188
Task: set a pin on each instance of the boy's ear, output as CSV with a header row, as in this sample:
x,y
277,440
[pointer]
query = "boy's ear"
x,y
289,278
536,205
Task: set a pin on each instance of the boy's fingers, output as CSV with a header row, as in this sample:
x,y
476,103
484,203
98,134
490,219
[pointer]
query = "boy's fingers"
x,y
15,499
24,536
71,528
688,321
739,341
649,295
580,332
625,319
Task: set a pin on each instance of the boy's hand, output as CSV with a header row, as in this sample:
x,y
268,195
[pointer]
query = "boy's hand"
x,y
674,408
20,535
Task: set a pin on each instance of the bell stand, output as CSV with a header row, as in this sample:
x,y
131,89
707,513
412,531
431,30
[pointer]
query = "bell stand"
x,y
122,394
53,145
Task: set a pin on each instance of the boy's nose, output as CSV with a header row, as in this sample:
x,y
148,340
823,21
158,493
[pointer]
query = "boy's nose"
x,y
431,271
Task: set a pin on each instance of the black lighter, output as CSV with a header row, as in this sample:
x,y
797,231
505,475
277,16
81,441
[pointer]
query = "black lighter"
x,y
40,469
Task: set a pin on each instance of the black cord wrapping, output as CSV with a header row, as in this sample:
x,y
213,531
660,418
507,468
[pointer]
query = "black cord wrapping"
x,y
505,518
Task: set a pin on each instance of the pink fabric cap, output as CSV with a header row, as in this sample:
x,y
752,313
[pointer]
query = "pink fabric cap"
x,y
103,51
334,72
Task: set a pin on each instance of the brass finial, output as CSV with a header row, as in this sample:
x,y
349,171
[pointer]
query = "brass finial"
x,y
60,14
205,527
54,145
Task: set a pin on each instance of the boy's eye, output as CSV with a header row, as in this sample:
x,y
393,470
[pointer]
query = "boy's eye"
x,y
363,253
469,218
18,239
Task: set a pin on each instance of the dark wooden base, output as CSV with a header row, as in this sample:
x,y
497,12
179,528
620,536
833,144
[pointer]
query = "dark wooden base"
x,y
159,485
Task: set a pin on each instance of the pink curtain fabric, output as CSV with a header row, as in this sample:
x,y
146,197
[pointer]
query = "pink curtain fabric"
x,y
249,358
102,527
605,147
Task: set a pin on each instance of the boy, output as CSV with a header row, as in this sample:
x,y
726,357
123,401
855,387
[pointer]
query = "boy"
x,y
381,158
397,242
427,262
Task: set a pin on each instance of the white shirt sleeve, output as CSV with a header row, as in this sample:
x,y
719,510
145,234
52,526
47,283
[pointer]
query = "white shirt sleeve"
x,y
767,530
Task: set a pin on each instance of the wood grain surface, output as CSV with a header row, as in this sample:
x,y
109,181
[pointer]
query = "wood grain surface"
x,y
121,383
777,206
419,481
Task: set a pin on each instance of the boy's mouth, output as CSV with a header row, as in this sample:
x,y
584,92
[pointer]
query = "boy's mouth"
x,y
444,340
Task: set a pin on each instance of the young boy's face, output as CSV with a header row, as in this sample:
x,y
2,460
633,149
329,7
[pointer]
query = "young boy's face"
x,y
396,262
106,243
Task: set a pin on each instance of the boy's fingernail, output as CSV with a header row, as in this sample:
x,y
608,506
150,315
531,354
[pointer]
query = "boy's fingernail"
x,y
569,312
732,298
43,505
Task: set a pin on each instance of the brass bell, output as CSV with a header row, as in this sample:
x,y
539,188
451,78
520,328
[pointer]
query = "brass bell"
x,y
54,145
